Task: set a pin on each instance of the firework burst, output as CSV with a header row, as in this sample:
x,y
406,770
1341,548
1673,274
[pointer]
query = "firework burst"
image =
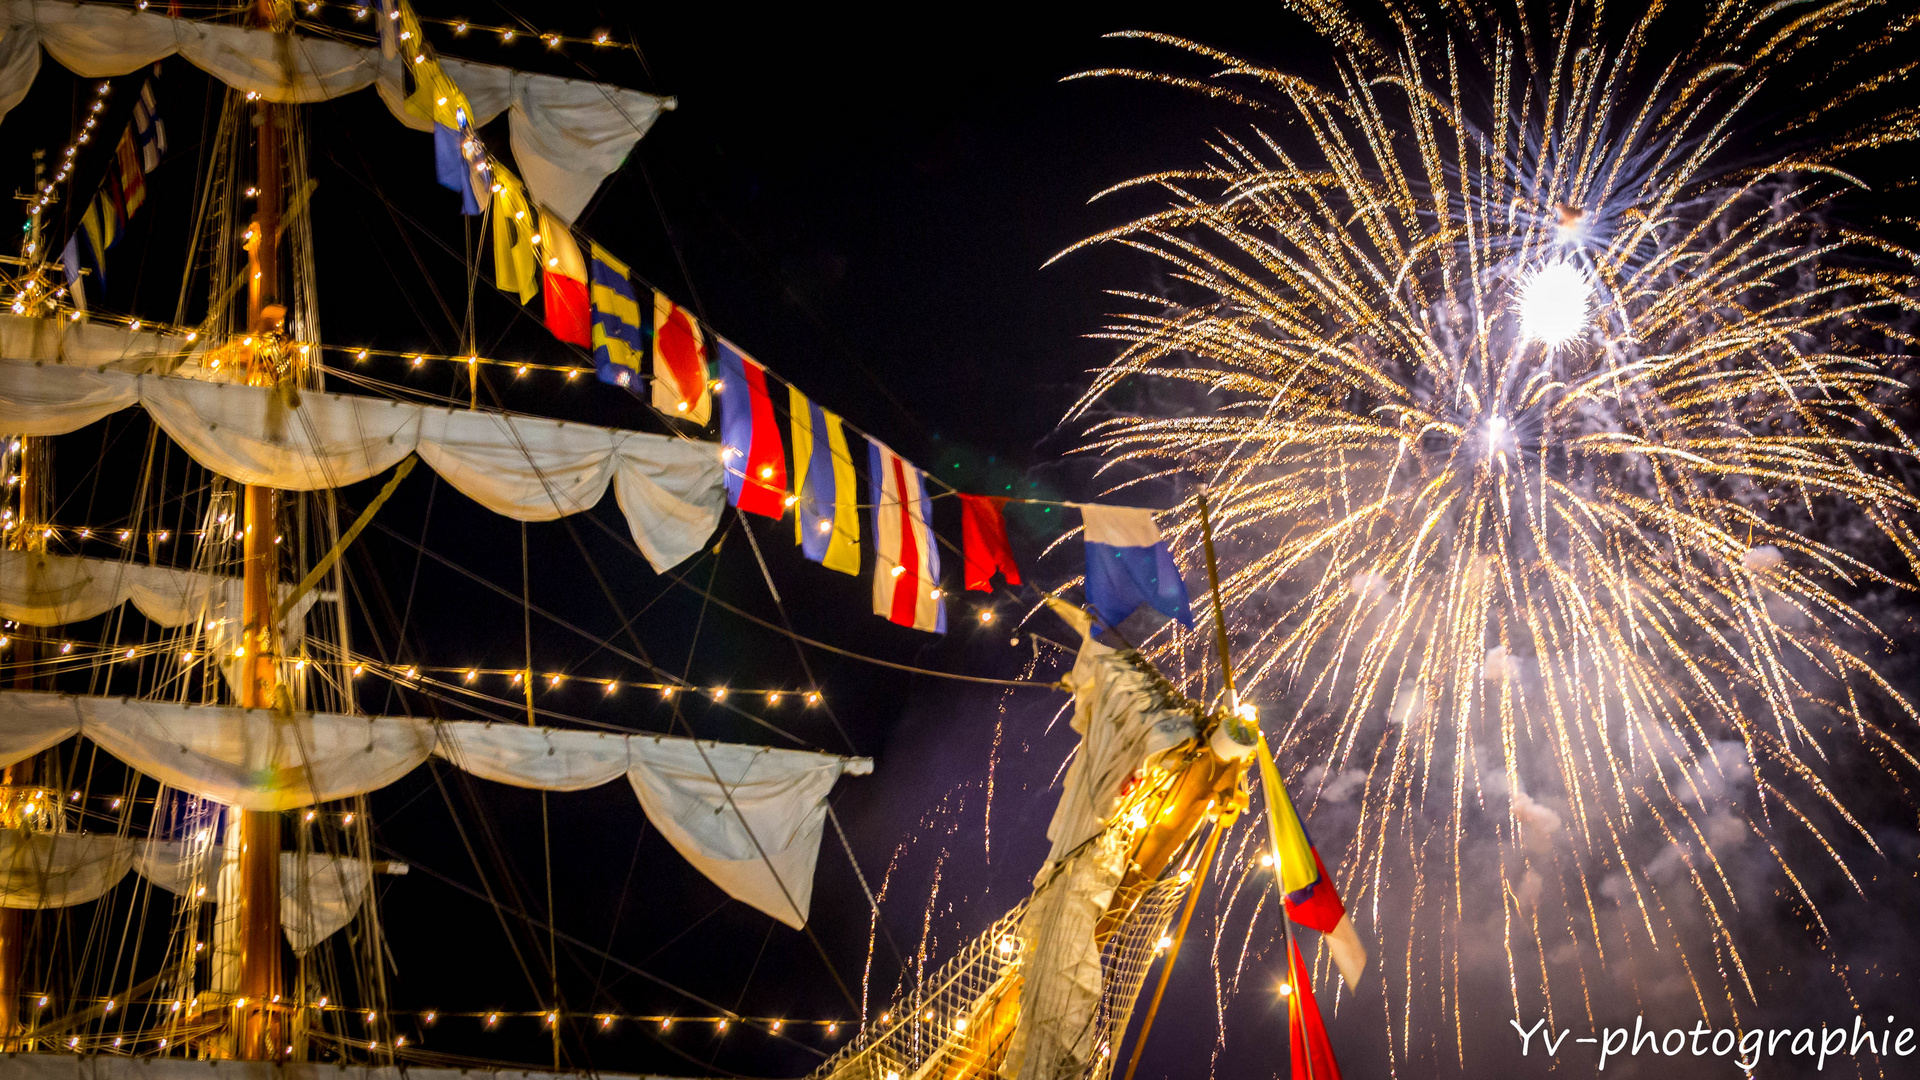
x,y
1554,431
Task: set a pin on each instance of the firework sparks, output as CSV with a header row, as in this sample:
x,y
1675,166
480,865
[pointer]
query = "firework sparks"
x,y
1555,450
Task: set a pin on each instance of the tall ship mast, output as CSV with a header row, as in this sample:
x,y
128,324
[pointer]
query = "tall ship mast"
x,y
198,704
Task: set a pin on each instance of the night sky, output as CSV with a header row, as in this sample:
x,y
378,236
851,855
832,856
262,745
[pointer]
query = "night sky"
x,y
864,203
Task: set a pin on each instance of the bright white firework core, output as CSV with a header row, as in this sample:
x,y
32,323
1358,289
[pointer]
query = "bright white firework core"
x,y
1553,303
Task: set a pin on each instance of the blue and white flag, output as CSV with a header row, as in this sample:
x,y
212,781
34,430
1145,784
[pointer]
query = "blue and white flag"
x,y
1128,564
149,131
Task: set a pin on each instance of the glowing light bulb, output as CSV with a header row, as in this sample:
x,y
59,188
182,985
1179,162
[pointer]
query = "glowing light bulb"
x,y
766,472
986,618
897,571
1553,303
1286,989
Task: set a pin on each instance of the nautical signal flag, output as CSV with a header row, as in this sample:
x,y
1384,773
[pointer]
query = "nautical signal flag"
x,y
516,269
679,363
148,129
826,520
70,261
983,535
616,320
132,179
1311,898
906,568
750,449
459,161
563,276
1128,564
1306,1032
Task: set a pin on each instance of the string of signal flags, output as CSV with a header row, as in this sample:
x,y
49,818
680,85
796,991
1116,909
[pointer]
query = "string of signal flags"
x,y
589,299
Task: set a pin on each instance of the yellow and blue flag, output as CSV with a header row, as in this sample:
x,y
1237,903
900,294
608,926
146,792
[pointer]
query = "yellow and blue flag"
x,y
616,320
827,522
1307,892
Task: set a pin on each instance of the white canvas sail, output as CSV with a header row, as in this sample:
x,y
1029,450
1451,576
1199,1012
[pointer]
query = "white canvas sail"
x,y
95,344
42,588
1124,724
525,467
39,870
567,134
748,817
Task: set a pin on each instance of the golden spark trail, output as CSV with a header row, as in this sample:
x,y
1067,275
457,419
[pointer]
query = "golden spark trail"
x,y
1553,418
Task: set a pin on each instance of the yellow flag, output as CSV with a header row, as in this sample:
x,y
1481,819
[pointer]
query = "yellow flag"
x,y
515,267
1292,853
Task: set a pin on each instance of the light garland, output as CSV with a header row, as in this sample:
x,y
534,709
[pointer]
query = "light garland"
x,y
468,676
600,39
490,1019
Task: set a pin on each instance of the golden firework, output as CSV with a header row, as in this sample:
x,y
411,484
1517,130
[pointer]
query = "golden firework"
x,y
1551,415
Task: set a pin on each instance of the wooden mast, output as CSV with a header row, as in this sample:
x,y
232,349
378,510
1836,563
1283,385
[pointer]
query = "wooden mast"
x,y
20,777
257,1030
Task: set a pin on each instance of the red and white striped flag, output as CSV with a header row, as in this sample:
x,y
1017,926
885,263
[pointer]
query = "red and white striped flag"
x,y
906,570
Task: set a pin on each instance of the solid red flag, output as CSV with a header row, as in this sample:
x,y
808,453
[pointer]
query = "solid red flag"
x,y
1312,1054
983,531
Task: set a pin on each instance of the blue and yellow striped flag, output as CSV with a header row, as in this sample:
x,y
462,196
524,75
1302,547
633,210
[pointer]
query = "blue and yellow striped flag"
x,y
827,519
616,321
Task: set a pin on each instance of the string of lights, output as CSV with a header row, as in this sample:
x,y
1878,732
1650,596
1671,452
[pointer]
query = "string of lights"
x,y
599,39
555,679
29,294
490,1019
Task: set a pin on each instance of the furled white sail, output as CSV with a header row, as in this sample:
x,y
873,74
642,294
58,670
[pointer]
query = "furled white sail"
x,y
1124,722
748,817
59,869
525,467
96,344
567,134
319,893
41,588
256,759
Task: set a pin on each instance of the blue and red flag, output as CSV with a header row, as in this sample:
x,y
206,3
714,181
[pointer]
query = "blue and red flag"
x,y
755,459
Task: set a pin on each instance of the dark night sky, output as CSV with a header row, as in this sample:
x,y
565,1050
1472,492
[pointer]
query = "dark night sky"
x,y
865,207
